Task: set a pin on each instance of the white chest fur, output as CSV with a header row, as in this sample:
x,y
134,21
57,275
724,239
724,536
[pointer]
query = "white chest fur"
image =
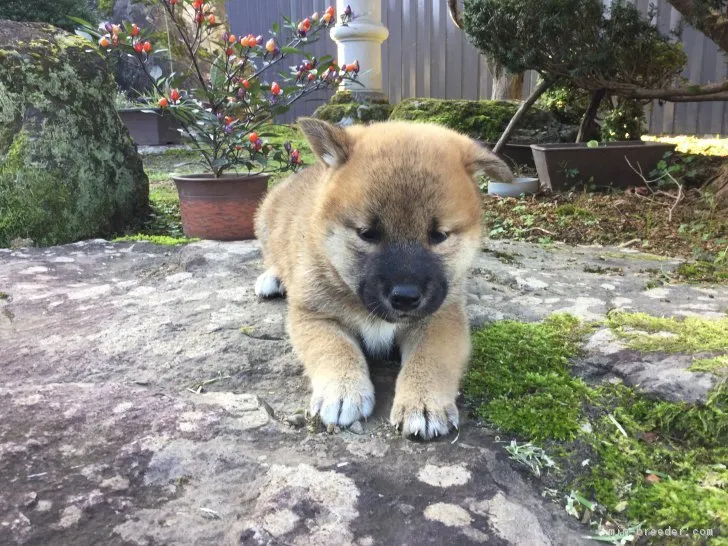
x,y
377,336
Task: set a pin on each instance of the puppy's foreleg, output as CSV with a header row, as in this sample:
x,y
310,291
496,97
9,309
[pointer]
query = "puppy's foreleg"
x,y
342,390
434,358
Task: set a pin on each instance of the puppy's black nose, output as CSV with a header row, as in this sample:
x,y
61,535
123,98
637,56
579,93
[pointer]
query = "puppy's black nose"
x,y
405,297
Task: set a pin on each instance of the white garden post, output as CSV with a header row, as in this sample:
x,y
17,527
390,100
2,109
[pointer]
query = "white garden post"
x,y
361,39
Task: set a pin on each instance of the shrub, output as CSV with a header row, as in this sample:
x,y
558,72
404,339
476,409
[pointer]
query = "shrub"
x,y
55,12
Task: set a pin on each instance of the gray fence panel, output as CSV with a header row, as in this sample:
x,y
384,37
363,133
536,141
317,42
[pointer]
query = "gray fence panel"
x,y
427,56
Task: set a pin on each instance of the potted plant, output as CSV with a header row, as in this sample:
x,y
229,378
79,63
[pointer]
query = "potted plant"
x,y
616,164
235,87
147,127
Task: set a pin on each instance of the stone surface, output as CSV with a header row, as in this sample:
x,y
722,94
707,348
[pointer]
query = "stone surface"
x,y
148,399
68,168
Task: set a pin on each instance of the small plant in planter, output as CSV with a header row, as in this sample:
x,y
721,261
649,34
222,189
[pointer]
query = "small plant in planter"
x,y
235,87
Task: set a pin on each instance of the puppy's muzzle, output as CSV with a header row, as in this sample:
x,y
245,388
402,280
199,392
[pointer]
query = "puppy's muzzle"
x,y
403,281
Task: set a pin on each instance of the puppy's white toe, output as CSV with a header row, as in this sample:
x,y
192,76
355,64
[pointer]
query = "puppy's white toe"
x,y
268,285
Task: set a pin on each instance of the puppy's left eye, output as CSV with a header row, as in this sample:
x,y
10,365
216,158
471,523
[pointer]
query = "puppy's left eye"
x,y
437,237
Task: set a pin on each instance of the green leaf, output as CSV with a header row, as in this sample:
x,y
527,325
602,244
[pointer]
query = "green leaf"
x,y
85,35
291,50
80,21
584,502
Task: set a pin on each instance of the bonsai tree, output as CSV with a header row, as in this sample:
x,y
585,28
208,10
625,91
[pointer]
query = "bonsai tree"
x,y
237,84
577,42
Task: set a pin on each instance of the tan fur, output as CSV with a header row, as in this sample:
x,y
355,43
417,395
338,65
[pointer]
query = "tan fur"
x,y
307,228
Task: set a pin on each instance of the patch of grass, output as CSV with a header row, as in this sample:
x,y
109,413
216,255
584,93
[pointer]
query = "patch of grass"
x,y
156,239
703,272
717,365
160,167
569,209
689,335
621,458
698,230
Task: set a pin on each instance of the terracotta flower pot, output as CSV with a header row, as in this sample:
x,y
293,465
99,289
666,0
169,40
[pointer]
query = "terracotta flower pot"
x,y
223,208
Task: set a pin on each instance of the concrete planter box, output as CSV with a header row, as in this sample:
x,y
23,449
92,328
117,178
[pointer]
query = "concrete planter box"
x,y
563,166
150,127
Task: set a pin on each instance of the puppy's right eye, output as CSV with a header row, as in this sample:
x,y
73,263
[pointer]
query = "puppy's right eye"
x,y
369,235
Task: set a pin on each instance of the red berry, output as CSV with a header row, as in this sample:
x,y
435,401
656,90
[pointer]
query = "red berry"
x,y
275,88
139,47
246,84
104,42
163,102
211,19
134,30
253,137
174,95
147,47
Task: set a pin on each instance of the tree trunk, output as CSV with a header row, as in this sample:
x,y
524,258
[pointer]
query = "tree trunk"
x,y
507,86
535,94
590,114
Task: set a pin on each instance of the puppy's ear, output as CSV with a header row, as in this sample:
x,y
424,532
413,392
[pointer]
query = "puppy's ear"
x,y
330,143
481,161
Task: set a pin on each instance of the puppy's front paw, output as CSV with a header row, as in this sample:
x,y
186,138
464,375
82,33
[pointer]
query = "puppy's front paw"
x,y
424,416
268,285
342,401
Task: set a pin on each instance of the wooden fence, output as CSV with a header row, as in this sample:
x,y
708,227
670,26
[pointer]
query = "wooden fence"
x,y
426,55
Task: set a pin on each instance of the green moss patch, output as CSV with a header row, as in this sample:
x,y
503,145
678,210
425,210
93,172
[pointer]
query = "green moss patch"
x,y
633,460
485,119
156,239
689,335
534,359
355,112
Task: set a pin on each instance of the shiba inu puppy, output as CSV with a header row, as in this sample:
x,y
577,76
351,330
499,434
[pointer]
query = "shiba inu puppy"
x,y
371,246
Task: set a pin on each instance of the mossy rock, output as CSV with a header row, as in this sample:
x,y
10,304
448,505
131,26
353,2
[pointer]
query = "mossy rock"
x,y
486,119
348,113
342,97
68,167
